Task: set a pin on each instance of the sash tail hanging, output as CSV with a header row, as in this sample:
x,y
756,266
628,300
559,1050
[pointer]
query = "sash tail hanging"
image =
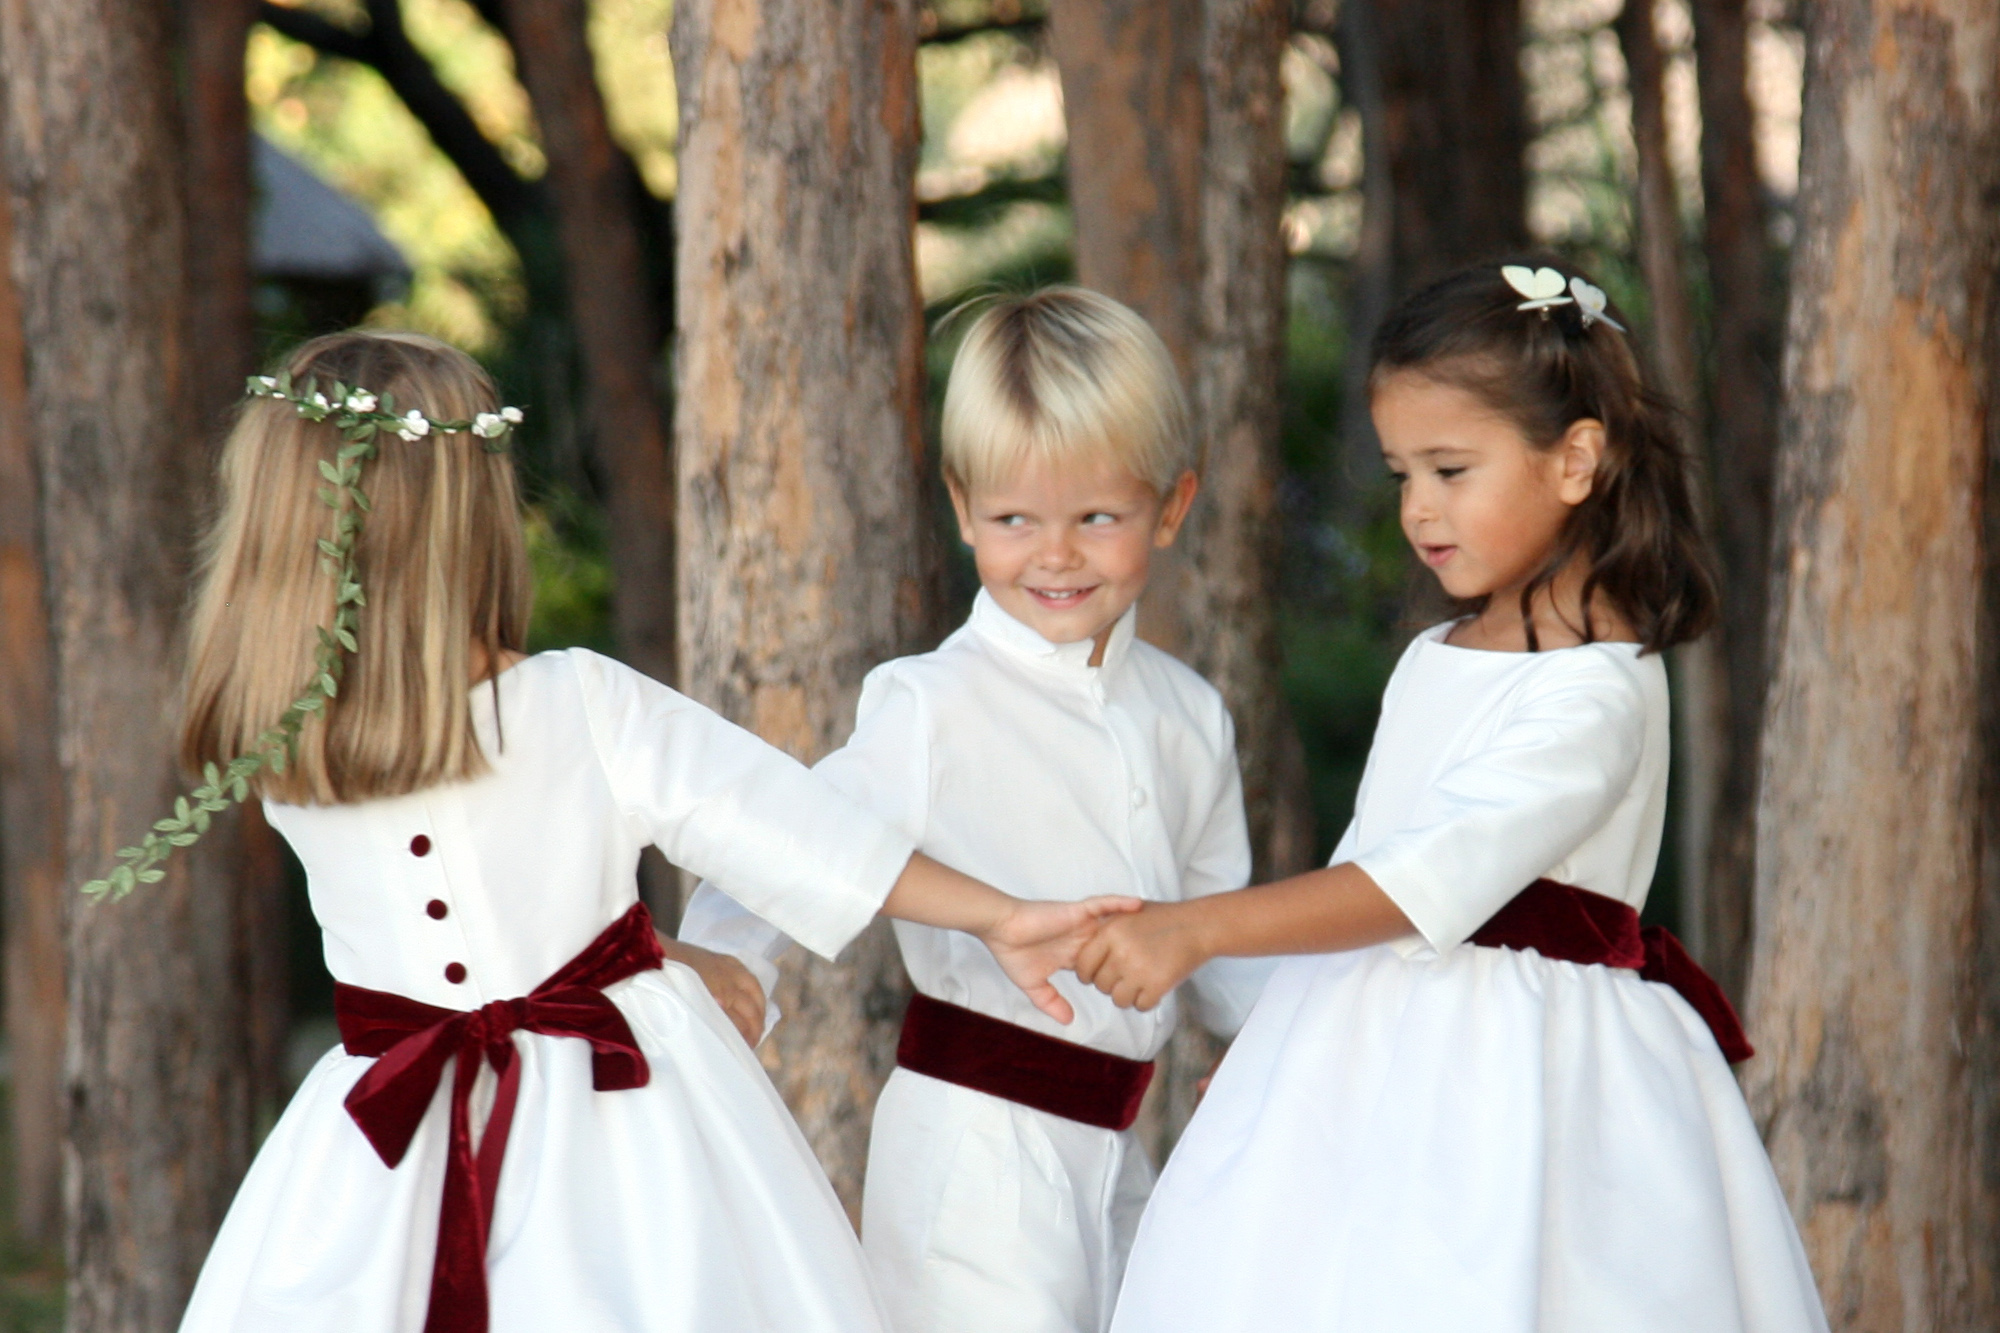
x,y
1575,925
412,1042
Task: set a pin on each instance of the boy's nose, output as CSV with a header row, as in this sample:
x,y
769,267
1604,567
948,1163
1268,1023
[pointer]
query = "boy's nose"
x,y
1057,551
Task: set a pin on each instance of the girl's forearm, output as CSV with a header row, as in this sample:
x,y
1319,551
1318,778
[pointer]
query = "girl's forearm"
x,y
1321,911
931,894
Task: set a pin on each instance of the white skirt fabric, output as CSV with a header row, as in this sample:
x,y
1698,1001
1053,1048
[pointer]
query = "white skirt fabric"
x,y
1486,1141
691,1204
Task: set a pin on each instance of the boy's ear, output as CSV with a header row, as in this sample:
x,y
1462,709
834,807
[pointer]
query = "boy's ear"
x,y
1581,453
1174,509
962,509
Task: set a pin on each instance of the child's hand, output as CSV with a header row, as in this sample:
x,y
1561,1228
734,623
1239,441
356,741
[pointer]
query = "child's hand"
x,y
1137,960
731,983
1034,940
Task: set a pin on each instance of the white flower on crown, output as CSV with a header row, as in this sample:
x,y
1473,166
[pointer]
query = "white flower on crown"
x,y
415,425
267,385
511,415
361,401
489,425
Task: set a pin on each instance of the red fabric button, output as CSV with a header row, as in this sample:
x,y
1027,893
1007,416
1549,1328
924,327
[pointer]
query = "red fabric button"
x,y
420,846
454,972
437,909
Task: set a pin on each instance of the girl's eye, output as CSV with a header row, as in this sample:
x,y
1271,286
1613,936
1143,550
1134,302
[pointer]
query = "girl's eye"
x,y
1449,472
1400,478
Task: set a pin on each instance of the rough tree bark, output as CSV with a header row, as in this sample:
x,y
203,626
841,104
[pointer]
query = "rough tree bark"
x,y
798,435
1742,435
1873,985
1701,719
31,804
1177,179
158,1098
1445,183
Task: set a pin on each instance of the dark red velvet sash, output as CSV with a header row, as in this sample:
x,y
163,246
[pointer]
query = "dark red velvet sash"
x,y
1578,926
413,1042
991,1055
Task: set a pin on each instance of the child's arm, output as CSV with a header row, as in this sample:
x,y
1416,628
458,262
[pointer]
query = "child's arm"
x,y
735,988
1031,940
1138,959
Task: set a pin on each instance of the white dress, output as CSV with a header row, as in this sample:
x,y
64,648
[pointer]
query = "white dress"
x,y
1013,759
1433,1135
689,1205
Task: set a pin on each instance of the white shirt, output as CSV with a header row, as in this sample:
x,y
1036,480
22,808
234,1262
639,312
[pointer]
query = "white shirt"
x,y
521,868
1012,759
1491,770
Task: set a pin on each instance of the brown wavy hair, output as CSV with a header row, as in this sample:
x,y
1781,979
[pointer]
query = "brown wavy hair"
x,y
441,558
1542,371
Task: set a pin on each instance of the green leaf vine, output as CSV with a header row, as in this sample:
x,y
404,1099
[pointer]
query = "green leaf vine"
x,y
361,417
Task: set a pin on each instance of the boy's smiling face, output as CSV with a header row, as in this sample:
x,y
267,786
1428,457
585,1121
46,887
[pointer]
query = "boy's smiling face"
x,y
1066,551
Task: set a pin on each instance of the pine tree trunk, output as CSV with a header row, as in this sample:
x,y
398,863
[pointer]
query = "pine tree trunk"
x,y
798,435
158,1093
1741,440
1445,178
604,262
1177,179
31,805
1701,717
1873,983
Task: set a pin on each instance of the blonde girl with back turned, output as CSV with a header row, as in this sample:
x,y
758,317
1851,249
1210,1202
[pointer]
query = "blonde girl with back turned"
x,y
533,1122
1471,1103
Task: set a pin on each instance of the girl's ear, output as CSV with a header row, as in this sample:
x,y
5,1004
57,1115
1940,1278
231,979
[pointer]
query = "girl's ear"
x,y
1579,454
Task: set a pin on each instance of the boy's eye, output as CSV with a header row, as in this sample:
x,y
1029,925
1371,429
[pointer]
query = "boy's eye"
x,y
1099,519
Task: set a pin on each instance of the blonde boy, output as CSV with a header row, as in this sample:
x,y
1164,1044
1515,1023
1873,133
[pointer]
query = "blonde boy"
x,y
1046,750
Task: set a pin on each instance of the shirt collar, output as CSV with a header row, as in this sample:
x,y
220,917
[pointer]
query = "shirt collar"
x,y
994,625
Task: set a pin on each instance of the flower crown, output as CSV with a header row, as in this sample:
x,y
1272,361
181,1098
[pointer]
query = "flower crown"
x,y
1545,288
361,417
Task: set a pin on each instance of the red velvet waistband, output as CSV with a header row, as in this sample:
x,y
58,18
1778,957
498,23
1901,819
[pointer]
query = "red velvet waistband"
x,y
993,1056
1577,926
414,1040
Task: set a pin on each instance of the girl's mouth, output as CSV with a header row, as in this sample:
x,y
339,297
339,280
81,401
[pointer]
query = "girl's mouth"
x,y
1436,555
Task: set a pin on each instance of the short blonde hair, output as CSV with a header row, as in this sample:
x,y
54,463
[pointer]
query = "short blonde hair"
x,y
441,559
1062,377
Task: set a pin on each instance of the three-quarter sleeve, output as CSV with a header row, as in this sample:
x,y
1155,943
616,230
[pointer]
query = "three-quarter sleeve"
x,y
721,803
1504,815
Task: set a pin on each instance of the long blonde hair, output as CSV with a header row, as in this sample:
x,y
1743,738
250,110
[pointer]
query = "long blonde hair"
x,y
441,559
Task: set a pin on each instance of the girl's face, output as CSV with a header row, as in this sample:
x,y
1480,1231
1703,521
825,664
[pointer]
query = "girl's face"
x,y
1481,505
1067,551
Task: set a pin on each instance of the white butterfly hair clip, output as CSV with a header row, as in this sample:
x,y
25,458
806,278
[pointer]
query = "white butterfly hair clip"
x,y
1590,304
1542,286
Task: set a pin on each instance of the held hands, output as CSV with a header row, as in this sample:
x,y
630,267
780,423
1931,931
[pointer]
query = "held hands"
x,y
731,983
1138,959
1033,940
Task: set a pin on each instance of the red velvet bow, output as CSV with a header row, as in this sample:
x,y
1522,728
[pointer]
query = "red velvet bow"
x,y
1577,926
413,1042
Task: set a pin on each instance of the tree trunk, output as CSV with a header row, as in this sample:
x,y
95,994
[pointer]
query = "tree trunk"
x,y
1177,178
1445,114
158,1096
31,805
1741,441
1701,719
1873,986
618,333
213,36
798,433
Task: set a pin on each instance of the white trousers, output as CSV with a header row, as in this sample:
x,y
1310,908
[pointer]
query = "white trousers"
x,y
983,1216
